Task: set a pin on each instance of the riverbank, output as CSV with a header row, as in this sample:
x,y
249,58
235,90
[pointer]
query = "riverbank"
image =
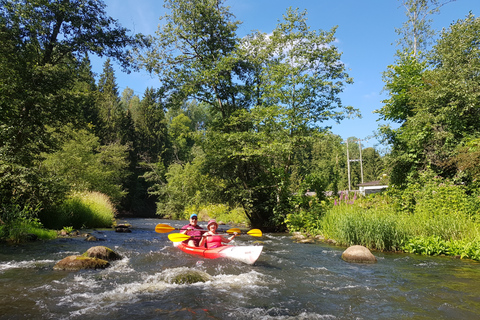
x,y
288,281
438,219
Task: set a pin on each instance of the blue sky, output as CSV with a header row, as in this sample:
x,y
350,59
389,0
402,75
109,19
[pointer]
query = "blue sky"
x,y
366,36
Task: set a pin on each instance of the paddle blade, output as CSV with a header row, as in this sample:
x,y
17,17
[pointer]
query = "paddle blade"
x,y
233,230
163,228
178,237
255,233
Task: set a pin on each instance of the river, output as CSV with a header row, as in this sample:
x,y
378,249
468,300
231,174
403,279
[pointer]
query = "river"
x,y
289,281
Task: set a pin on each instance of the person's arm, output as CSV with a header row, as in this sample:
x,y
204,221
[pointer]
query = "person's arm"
x,y
204,238
185,229
227,240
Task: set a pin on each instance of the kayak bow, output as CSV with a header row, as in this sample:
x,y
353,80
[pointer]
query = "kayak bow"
x,y
245,254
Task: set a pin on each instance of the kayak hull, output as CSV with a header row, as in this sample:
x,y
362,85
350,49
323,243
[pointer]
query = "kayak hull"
x,y
245,254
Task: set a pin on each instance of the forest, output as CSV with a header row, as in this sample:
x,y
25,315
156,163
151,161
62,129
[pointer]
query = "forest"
x,y
236,129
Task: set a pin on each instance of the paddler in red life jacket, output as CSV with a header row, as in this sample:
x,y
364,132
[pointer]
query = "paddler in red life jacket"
x,y
194,230
212,239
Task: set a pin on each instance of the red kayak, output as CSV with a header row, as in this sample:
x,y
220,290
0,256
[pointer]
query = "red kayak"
x,y
245,254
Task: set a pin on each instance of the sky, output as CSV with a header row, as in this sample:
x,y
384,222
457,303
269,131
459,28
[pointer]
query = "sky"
x,y
365,35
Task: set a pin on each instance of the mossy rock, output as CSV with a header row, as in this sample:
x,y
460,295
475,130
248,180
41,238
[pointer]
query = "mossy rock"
x,y
103,253
75,263
187,276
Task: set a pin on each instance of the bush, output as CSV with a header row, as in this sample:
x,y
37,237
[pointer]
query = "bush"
x,y
435,245
81,210
220,212
19,224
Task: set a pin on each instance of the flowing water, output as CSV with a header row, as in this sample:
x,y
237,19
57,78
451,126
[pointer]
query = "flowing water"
x,y
289,281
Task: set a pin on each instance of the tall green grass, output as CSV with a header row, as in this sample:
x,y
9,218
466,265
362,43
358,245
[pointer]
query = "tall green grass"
x,y
81,210
373,228
376,222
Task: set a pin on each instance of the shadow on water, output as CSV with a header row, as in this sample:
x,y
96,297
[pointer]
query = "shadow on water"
x,y
289,281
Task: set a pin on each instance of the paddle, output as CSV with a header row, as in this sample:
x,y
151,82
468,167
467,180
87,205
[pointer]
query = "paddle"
x,y
164,228
178,237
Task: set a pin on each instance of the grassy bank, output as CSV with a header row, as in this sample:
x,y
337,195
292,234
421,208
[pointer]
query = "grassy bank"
x,y
81,210
438,218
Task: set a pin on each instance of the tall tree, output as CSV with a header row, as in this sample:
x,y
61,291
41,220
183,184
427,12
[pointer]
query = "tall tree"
x,y
416,33
111,112
298,78
444,107
192,53
151,127
42,44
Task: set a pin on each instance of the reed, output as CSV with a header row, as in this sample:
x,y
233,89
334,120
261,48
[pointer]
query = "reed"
x,y
373,228
384,227
82,210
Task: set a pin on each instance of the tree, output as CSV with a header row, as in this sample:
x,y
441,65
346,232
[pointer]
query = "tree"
x,y
85,165
416,33
151,127
192,54
444,108
298,79
43,43
373,166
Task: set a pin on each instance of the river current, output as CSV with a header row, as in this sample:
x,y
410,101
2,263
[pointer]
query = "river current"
x,y
289,281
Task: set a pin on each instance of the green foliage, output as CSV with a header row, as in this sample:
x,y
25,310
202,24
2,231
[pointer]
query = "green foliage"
x,y
184,185
432,216
306,213
19,224
192,52
181,136
81,210
85,165
25,187
220,212
265,104
373,228
436,102
435,245
416,31
42,45
432,195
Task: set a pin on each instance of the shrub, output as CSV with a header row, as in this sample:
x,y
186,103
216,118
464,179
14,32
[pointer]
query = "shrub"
x,y
19,224
220,212
81,210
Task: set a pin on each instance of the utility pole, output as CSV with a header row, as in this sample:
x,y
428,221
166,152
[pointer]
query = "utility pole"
x,y
354,160
348,168
361,162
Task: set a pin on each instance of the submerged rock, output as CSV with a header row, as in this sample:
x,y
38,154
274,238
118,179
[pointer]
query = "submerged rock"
x,y
75,263
123,228
187,276
359,254
307,240
103,253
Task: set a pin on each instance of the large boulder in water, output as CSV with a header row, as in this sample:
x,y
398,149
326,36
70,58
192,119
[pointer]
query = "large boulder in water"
x,y
75,263
358,254
103,253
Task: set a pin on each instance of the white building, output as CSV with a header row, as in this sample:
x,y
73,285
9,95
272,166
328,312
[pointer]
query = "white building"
x,y
371,187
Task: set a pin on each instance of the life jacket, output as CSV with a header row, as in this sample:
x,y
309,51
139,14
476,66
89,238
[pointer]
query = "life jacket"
x,y
196,234
214,242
